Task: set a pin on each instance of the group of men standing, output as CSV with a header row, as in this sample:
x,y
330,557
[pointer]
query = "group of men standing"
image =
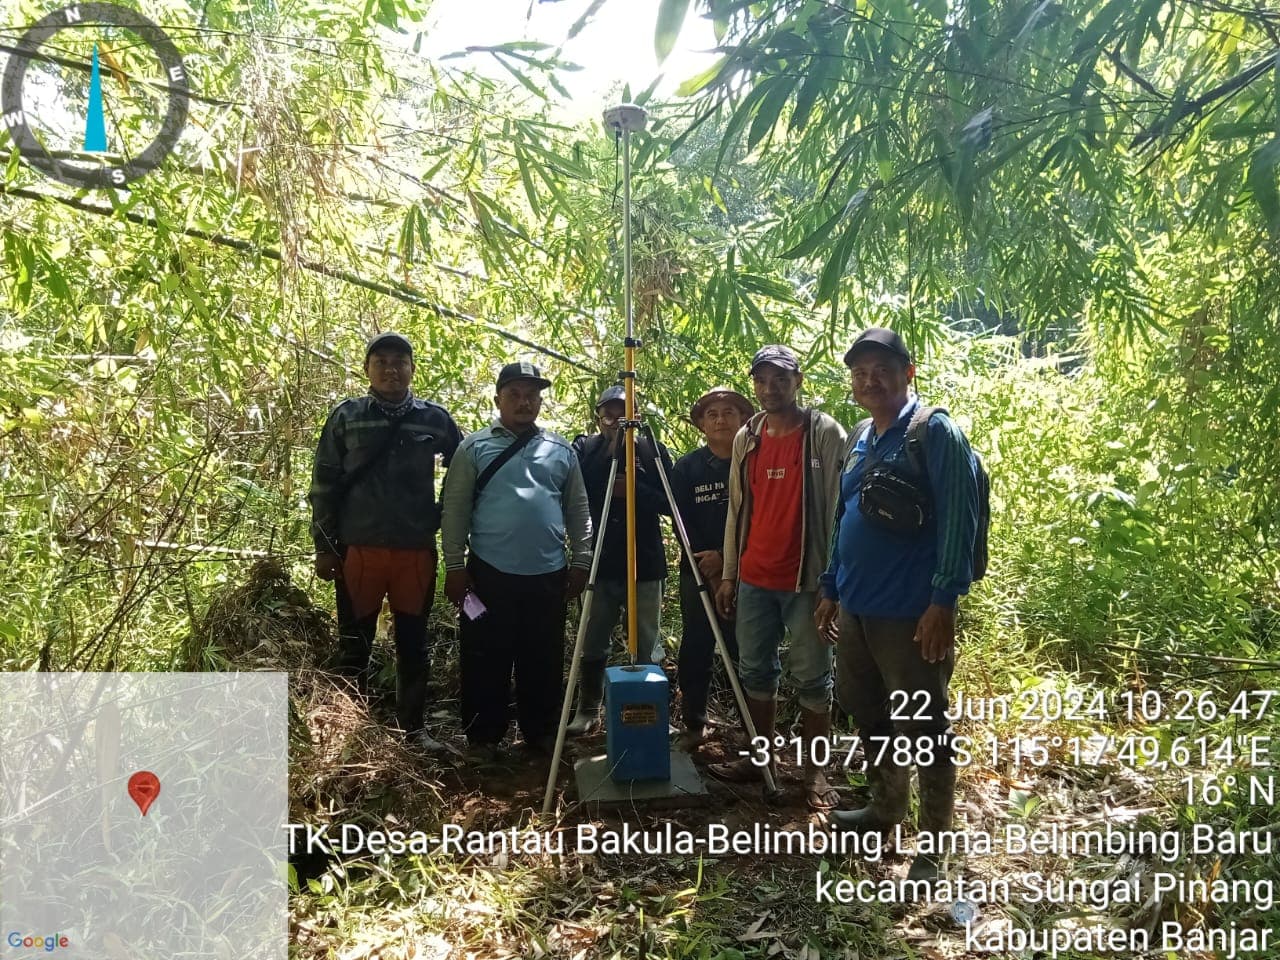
x,y
779,527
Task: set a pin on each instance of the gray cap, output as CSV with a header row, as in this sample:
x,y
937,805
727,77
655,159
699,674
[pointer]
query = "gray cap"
x,y
523,370
616,392
388,341
778,355
881,338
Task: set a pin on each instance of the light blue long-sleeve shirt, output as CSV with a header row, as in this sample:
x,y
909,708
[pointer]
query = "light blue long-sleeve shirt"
x,y
532,506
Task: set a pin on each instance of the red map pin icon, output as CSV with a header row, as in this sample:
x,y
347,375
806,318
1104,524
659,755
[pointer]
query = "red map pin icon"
x,y
144,787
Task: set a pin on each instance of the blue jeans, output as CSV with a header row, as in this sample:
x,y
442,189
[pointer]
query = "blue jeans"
x,y
763,617
608,605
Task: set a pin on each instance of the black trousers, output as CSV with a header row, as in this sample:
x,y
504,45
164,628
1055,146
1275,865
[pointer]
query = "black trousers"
x,y
523,631
413,659
698,656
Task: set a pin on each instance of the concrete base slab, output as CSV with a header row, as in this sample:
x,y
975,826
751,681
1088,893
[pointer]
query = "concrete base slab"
x,y
596,787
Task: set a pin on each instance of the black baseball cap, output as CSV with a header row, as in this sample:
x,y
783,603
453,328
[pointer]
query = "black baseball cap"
x,y
778,355
878,337
388,341
522,370
616,392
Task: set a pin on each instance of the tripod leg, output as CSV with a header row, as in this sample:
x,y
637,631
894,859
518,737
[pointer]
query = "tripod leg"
x,y
574,663
678,523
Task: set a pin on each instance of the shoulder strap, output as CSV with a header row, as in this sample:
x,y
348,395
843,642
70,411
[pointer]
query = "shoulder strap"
x,y
349,480
859,430
498,462
914,445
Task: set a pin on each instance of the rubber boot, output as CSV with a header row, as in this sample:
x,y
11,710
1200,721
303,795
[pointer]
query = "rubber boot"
x,y
815,725
355,647
764,715
411,699
586,718
937,806
889,784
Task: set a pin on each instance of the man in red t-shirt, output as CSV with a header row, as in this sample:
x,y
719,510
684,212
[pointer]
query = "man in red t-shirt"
x,y
783,489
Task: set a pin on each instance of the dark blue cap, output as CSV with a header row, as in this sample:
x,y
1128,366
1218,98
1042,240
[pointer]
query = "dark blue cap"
x,y
778,355
522,370
616,392
388,341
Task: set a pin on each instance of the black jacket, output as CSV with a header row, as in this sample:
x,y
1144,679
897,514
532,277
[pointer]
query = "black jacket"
x,y
595,456
393,503
700,482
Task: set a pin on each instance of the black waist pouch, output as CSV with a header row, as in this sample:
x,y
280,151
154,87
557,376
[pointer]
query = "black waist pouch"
x,y
893,502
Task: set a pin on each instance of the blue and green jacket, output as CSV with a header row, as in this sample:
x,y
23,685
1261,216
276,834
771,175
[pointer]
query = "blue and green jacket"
x,y
875,572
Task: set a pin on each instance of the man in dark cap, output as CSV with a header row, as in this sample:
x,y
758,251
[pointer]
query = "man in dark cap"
x,y
609,597
516,537
375,516
892,592
700,482
783,484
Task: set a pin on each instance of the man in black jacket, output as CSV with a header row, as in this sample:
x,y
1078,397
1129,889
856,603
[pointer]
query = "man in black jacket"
x,y
375,516
595,454
700,482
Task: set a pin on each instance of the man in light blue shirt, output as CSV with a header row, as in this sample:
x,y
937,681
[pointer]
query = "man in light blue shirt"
x,y
513,505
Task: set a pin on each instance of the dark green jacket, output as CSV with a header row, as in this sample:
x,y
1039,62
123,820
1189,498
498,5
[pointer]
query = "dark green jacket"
x,y
393,503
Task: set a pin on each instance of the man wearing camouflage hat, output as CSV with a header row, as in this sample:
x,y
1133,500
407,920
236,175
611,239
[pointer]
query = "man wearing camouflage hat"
x,y
700,483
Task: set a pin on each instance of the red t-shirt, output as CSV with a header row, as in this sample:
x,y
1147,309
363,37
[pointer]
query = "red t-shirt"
x,y
771,557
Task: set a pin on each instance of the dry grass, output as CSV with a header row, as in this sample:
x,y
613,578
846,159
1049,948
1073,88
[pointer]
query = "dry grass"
x,y
348,766
264,623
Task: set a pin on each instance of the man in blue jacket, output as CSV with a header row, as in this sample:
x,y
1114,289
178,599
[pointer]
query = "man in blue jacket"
x,y
893,595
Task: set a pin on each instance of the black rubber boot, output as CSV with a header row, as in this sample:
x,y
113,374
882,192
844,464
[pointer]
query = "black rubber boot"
x,y
889,785
586,719
411,699
937,806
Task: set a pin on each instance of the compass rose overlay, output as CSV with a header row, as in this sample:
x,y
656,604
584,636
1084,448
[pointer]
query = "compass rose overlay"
x,y
35,153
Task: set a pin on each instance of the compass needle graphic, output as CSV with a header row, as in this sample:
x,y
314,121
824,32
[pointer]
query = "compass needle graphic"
x,y
95,127
45,124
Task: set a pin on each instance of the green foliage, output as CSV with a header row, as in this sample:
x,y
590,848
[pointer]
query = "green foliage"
x,y
1020,147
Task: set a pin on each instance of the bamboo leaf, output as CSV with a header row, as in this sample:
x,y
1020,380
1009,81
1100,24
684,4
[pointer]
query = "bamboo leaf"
x,y
522,164
833,270
586,18
521,77
819,236
742,114
766,286
1097,30
671,16
699,82
816,84
1264,182
770,107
